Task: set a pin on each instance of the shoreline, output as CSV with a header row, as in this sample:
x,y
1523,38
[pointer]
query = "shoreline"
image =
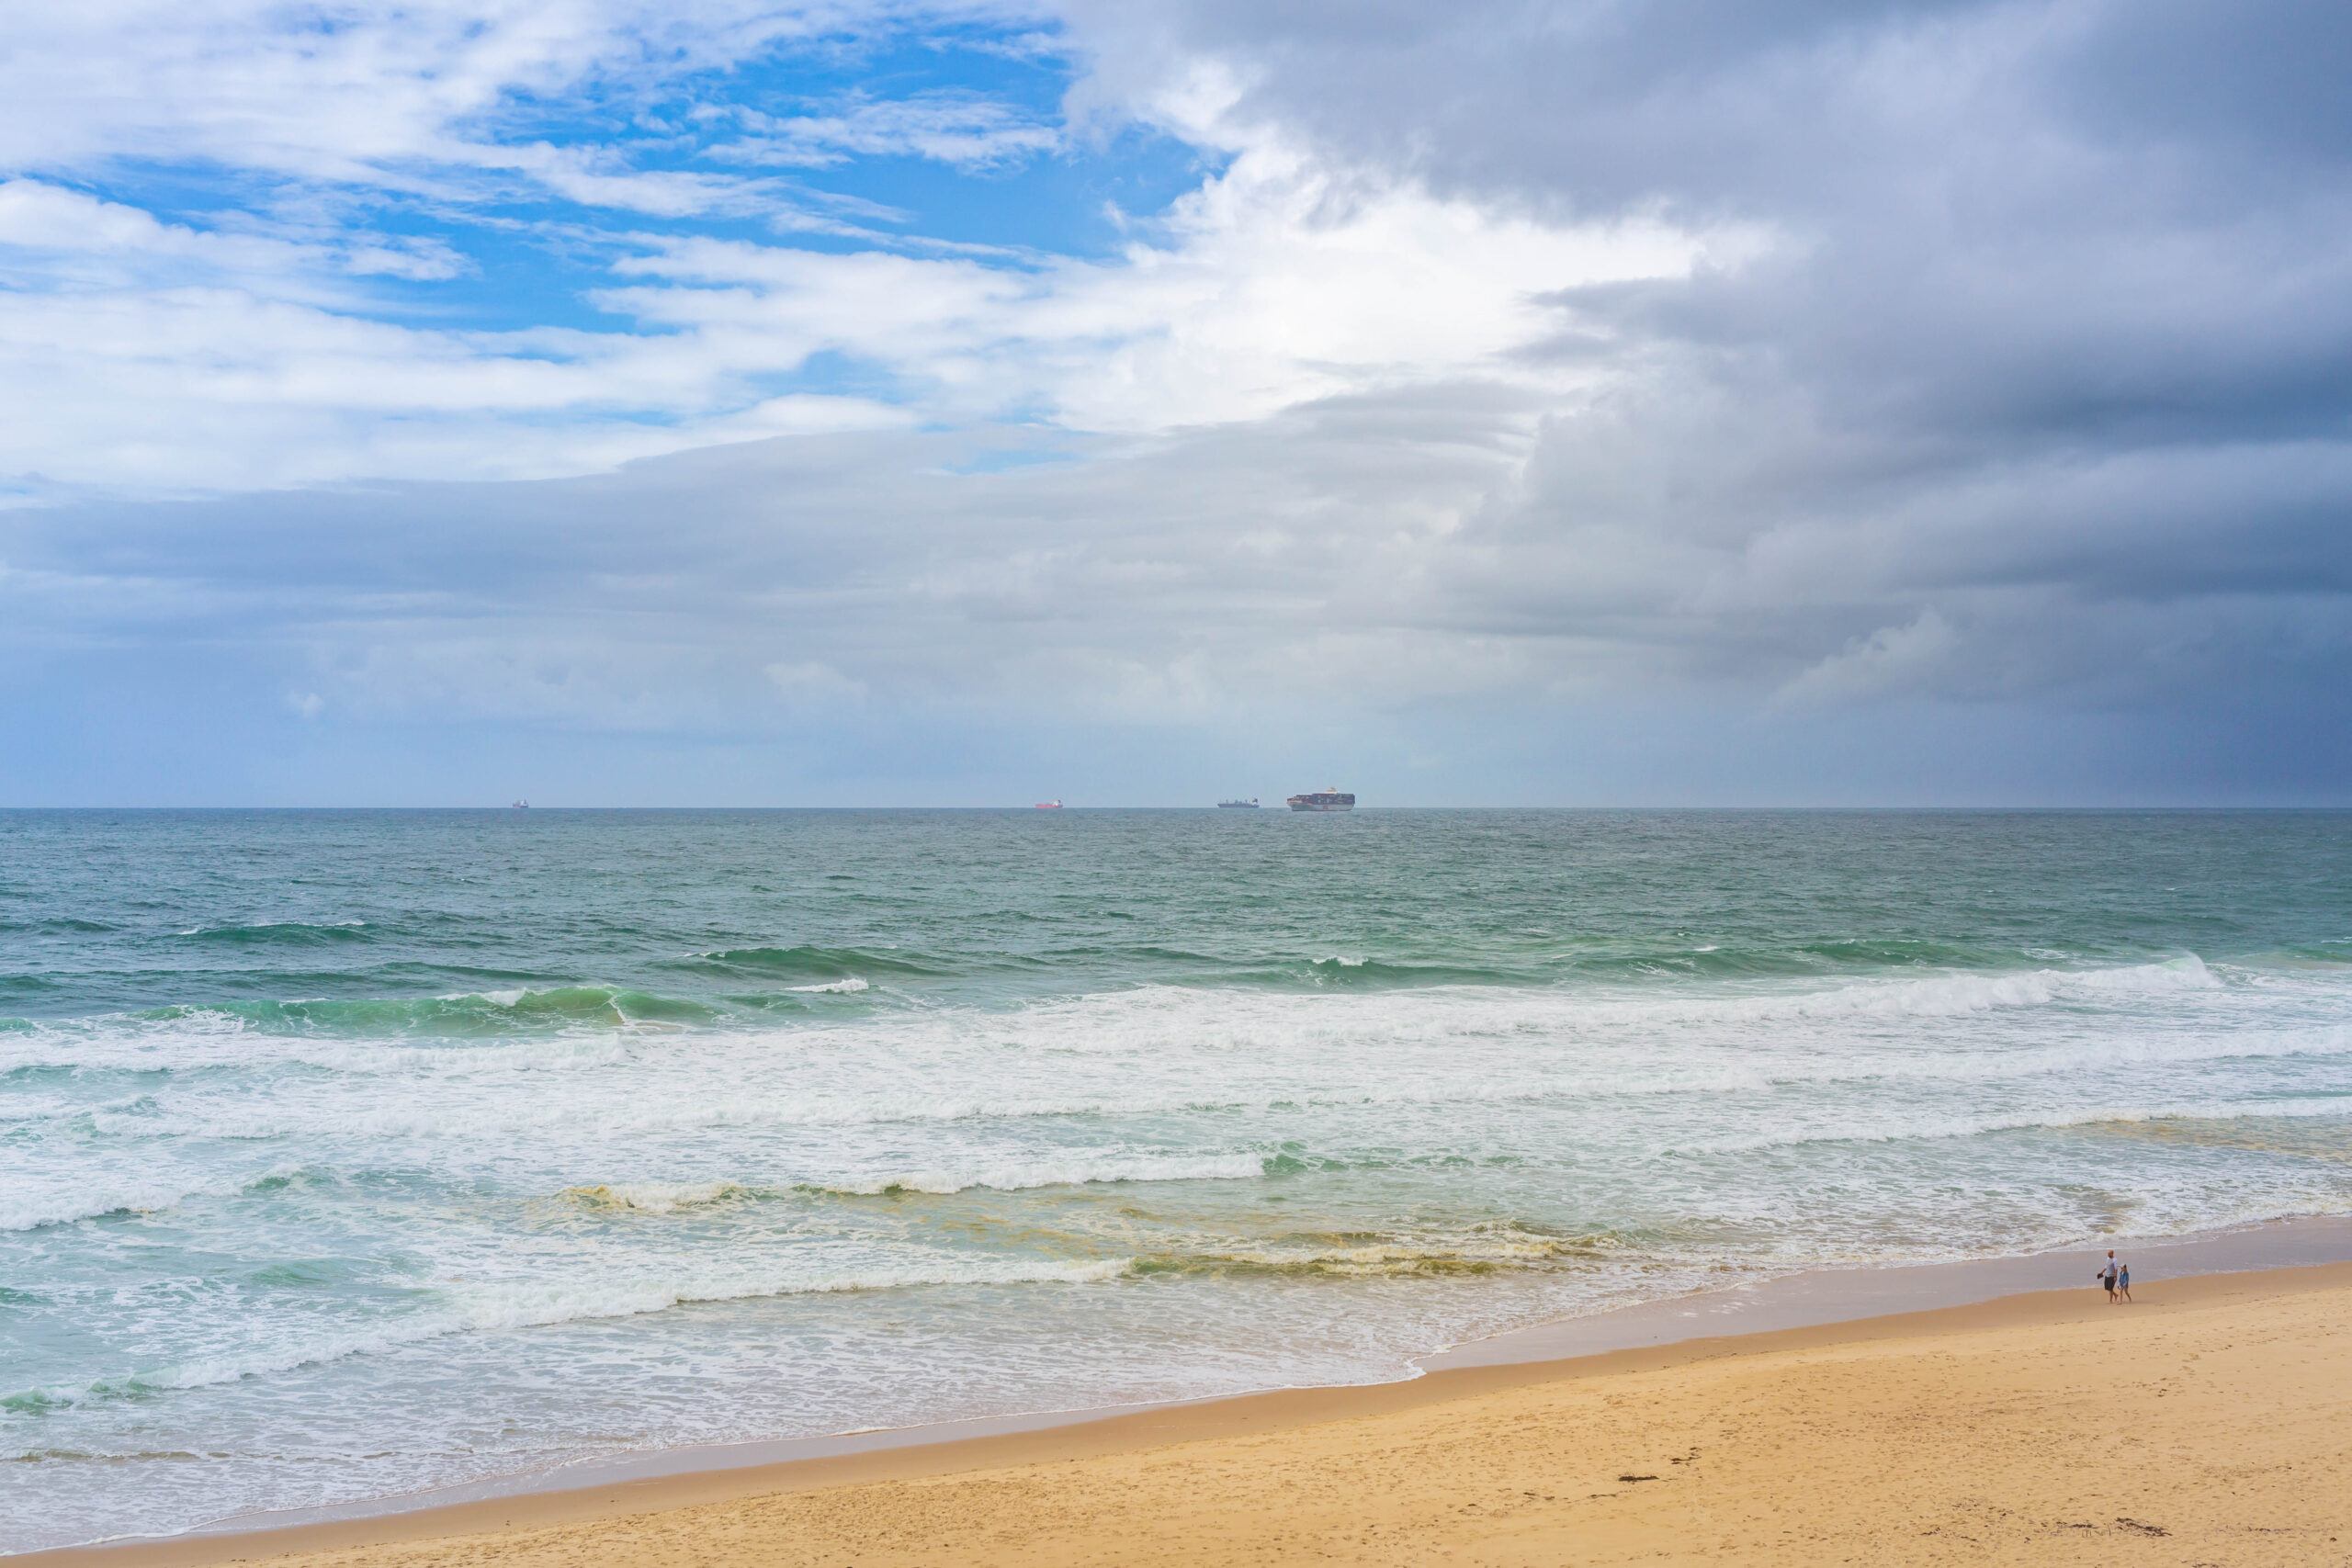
x,y
1800,1311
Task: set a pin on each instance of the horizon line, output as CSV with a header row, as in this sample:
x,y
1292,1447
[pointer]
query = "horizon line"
x,y
1277,810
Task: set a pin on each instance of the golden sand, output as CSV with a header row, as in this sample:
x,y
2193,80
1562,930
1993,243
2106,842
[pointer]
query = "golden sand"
x,y
2210,1423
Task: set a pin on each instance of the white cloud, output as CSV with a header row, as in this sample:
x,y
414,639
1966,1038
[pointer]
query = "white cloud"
x,y
961,130
1269,287
392,92
54,238
140,352
191,389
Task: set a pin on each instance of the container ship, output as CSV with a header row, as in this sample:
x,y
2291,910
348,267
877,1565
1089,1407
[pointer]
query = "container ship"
x,y
1323,800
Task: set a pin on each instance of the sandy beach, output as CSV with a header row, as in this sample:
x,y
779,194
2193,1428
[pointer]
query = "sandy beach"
x,y
2210,1422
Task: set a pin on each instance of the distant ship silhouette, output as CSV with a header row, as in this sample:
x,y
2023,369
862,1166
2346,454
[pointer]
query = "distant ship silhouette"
x,y
1323,800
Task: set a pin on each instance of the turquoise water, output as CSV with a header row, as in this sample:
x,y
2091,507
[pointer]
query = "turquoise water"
x,y
344,1155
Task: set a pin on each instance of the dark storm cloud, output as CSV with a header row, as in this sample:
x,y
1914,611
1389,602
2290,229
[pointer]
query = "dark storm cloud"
x,y
2050,354
1765,109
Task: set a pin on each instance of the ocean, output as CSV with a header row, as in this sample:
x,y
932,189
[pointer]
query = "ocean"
x,y
345,1155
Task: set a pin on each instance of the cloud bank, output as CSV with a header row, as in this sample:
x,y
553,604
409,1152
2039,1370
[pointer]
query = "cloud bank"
x,y
1553,403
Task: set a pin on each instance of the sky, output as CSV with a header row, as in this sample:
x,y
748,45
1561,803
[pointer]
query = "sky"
x,y
1592,403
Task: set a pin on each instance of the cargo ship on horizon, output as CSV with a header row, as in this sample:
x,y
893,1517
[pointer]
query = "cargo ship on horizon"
x,y
1323,800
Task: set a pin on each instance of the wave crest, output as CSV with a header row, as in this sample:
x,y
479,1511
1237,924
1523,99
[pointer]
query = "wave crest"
x,y
461,1015
815,962
291,933
1080,1172
654,1197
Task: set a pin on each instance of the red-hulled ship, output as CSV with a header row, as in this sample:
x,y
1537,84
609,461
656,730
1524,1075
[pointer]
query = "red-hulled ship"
x,y
1323,800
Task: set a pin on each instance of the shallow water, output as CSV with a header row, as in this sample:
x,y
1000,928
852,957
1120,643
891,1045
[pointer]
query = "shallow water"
x,y
345,1154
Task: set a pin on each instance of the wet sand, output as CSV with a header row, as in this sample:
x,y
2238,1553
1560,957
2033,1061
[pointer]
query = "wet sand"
x,y
2211,1422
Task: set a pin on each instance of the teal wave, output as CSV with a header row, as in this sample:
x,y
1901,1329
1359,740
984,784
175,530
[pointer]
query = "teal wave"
x,y
505,1014
1374,974
1617,962
281,933
813,962
2329,955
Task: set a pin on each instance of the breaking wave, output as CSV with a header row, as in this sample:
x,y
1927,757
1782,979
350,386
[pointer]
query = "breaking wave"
x,y
1017,1176
655,1197
815,962
1385,1258
472,1014
26,1210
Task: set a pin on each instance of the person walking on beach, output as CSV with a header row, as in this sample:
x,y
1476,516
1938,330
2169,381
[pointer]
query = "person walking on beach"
x,y
2123,1281
2107,1276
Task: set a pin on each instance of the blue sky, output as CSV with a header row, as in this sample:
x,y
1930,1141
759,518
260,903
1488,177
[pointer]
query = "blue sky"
x,y
820,403
926,141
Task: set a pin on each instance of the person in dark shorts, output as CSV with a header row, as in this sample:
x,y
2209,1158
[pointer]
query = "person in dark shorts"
x,y
2107,1276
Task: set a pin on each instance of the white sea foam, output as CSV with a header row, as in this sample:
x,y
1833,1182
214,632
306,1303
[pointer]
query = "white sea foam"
x,y
1943,996
30,1205
1798,1101
716,1082
23,1210
502,1305
1933,1126
1023,1176
534,1303
655,1197
1119,1023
